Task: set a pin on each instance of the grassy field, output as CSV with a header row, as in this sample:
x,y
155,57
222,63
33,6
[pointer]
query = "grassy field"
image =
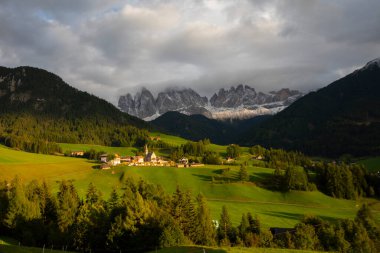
x,y
85,147
228,250
372,164
274,208
9,245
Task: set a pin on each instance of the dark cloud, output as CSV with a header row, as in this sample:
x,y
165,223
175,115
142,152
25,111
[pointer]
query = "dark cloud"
x,y
113,47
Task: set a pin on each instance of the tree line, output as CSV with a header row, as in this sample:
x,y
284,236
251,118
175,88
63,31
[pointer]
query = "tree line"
x,y
40,134
141,216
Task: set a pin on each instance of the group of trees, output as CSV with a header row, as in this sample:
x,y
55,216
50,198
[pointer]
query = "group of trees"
x,y
142,216
346,180
40,134
292,171
196,151
233,151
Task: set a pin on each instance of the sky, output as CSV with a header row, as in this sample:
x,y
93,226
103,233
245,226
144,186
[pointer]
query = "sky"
x,y
109,48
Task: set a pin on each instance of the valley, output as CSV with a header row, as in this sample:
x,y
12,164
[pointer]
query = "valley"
x,y
72,164
275,209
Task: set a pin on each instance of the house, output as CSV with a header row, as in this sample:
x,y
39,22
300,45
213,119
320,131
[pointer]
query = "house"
x,y
116,160
155,138
184,160
126,159
230,160
77,153
138,159
104,158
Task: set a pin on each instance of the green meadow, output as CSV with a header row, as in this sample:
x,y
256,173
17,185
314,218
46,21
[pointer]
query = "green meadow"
x,y
273,208
194,249
10,245
85,147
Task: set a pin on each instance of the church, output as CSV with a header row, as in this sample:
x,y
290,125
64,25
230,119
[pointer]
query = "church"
x,y
149,156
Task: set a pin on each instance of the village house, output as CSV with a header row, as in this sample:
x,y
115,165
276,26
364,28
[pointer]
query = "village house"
x,y
155,138
126,159
184,160
77,153
104,158
116,160
138,159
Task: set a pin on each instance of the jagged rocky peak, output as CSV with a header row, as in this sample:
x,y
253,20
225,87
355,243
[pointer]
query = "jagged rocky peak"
x,y
177,99
233,97
241,101
145,106
247,97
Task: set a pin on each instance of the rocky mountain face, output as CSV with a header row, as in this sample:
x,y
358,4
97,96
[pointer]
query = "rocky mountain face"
x,y
239,102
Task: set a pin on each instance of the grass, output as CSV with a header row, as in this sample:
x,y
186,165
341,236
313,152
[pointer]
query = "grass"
x,y
10,245
274,208
85,147
194,249
372,164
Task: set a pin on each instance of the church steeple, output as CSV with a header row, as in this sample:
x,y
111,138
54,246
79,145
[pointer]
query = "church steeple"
x,y
146,149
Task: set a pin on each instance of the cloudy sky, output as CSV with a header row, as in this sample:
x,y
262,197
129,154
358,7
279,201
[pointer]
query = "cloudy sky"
x,y
112,47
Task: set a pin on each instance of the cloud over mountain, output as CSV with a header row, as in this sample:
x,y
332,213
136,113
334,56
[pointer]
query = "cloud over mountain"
x,y
112,47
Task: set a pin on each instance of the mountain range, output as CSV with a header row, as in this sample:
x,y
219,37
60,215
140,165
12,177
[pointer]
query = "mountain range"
x,y
239,102
37,107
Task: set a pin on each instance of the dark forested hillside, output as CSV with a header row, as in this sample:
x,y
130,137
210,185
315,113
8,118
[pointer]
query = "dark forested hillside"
x,y
343,117
38,107
198,127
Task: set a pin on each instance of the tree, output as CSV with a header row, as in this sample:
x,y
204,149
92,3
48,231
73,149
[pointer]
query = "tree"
x,y
205,231
233,151
305,237
68,204
225,225
93,196
295,178
254,224
364,217
243,174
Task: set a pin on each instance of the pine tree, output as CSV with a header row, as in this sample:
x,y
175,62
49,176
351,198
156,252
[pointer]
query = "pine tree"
x,y
243,174
93,196
225,225
68,204
205,231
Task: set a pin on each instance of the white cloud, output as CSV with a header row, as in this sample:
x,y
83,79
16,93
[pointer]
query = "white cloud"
x,y
108,47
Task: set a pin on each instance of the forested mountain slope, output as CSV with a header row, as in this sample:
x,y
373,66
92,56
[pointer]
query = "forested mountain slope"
x,y
343,117
38,107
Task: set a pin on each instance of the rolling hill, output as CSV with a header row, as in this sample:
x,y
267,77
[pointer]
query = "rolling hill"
x,y
342,118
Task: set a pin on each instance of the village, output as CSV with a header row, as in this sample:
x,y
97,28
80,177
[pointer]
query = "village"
x,y
148,159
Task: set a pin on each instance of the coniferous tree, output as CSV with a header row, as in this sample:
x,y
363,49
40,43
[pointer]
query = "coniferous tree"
x,y
225,226
68,204
205,231
243,174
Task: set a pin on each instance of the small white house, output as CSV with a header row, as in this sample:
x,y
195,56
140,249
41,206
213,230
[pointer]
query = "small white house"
x,y
104,158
